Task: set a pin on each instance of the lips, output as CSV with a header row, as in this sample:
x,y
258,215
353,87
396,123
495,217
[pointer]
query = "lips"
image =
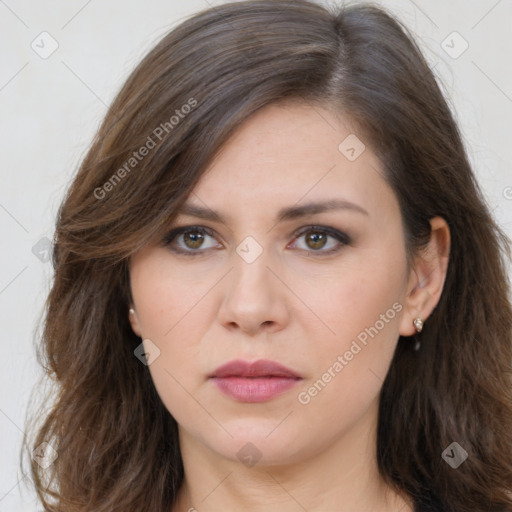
x,y
260,368
259,381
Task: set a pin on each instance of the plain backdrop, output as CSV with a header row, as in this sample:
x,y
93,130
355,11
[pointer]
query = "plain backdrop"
x,y
51,105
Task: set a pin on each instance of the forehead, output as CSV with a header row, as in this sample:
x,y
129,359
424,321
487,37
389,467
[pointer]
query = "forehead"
x,y
287,154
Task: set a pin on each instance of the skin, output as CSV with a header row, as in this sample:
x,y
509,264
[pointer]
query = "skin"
x,y
291,305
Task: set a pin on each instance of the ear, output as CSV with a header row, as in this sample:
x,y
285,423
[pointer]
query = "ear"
x,y
134,321
427,277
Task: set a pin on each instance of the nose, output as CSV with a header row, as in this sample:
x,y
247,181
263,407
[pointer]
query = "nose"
x,y
254,298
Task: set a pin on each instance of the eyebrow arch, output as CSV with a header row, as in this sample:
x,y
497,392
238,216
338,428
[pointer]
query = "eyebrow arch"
x,y
287,213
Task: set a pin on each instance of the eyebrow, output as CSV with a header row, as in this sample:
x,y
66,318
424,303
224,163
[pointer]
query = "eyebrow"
x,y
285,214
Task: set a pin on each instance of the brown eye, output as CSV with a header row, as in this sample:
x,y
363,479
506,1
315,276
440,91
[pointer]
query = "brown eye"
x,y
189,240
193,239
316,240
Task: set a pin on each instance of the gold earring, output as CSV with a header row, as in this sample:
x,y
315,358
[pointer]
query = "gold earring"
x,y
418,323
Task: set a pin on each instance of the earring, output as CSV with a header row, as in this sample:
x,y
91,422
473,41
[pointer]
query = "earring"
x,y
418,323
131,311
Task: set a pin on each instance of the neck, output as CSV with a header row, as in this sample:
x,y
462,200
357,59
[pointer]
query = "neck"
x,y
344,477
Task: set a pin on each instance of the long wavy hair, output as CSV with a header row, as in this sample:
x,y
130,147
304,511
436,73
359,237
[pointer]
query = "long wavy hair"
x,y
116,444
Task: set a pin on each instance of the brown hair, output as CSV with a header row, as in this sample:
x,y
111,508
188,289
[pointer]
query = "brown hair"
x,y
117,444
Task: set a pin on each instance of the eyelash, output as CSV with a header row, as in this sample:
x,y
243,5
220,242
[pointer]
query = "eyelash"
x,y
342,238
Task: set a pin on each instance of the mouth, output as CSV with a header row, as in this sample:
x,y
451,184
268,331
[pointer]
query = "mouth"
x,y
259,381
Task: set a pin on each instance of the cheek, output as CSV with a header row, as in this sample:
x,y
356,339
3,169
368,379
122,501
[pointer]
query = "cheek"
x,y
165,298
169,307
361,304
364,290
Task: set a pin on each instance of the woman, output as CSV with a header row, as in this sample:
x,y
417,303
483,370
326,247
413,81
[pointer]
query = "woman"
x,y
277,284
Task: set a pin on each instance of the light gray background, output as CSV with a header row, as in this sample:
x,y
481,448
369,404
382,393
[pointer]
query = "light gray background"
x,y
51,108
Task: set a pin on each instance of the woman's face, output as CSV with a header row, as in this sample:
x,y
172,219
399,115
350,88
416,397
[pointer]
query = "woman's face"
x,y
317,290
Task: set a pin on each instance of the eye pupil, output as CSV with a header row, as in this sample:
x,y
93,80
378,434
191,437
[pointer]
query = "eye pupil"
x,y
317,239
195,237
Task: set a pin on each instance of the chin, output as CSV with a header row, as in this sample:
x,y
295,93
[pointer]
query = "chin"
x,y
262,444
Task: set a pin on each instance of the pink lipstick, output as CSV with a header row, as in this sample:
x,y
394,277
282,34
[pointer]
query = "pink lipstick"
x,y
259,381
